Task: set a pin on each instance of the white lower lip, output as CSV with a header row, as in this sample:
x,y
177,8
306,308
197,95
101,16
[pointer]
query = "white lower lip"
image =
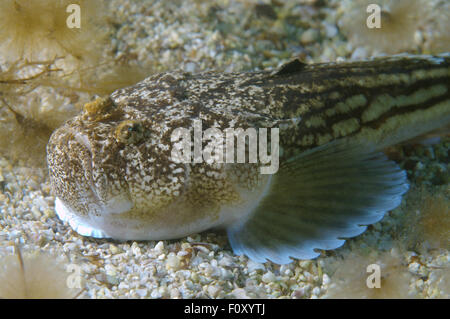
x,y
129,231
66,215
85,226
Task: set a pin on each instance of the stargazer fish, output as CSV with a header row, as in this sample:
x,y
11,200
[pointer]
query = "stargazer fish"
x,y
113,174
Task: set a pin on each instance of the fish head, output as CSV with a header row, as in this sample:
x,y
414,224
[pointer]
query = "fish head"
x,y
112,162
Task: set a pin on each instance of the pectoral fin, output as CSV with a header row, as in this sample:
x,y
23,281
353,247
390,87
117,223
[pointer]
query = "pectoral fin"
x,y
318,199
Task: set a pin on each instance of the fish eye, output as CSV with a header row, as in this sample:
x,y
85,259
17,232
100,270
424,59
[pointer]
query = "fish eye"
x,y
129,132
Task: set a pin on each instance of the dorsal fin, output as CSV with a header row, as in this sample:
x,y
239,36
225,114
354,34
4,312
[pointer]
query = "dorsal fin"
x,y
293,66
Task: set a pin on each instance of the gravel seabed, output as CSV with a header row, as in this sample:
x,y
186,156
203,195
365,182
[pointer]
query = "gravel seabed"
x,y
232,36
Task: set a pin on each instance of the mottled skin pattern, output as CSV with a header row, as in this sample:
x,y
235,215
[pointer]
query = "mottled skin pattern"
x,y
119,147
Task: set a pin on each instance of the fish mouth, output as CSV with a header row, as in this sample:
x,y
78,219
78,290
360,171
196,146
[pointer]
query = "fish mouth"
x,y
87,163
99,201
71,155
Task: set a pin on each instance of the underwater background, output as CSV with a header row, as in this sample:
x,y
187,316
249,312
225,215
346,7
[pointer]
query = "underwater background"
x,y
48,72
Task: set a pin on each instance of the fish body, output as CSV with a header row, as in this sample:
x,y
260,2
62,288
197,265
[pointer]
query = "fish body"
x,y
113,171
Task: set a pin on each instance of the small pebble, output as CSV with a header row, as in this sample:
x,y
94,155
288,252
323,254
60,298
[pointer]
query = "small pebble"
x,y
268,277
310,36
